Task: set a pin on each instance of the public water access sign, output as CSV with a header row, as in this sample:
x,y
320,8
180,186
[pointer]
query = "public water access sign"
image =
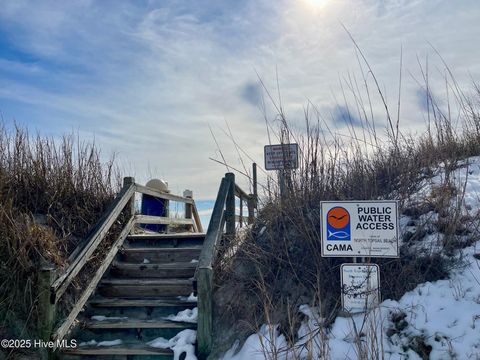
x,y
359,228
360,286
281,157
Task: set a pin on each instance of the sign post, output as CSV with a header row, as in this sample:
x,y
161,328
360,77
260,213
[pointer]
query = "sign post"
x,y
281,157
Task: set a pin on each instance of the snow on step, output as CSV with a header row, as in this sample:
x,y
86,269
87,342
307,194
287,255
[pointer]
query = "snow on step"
x,y
183,342
187,316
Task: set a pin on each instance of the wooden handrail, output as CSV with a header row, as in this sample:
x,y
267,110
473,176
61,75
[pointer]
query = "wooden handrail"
x,y
240,193
223,214
62,282
63,329
162,195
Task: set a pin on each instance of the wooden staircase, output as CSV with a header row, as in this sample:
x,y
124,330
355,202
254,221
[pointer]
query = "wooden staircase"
x,y
150,279
144,279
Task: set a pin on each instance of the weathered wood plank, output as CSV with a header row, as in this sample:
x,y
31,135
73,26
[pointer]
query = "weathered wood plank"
x,y
152,192
138,324
155,242
160,255
164,302
147,282
169,270
148,219
61,284
63,329
124,349
143,288
161,237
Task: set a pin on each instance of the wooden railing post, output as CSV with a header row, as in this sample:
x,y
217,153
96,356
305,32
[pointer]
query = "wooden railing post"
x,y
189,207
205,311
127,181
241,212
230,207
251,209
254,175
253,198
46,305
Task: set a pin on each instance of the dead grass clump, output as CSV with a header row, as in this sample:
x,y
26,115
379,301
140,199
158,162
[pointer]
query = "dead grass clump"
x,y
51,194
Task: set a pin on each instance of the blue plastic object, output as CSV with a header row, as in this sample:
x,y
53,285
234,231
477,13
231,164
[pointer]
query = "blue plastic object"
x,y
155,207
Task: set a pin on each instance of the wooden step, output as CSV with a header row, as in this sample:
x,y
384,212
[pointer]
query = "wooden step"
x,y
137,324
186,235
138,288
167,270
164,302
160,255
119,350
165,240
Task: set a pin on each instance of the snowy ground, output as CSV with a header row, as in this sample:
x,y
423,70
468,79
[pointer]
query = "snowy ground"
x,y
444,315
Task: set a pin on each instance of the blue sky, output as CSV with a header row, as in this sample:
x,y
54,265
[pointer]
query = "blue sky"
x,y
146,79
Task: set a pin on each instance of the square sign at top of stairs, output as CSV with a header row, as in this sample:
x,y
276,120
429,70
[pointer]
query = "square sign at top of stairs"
x,y
281,157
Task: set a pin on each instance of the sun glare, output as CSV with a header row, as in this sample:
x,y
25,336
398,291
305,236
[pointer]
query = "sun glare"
x,y
316,3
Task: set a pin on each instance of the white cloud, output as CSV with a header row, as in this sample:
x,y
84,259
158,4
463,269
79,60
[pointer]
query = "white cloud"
x,y
147,79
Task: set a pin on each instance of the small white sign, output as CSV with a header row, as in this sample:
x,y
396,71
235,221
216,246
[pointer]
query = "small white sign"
x,y
359,228
281,157
360,287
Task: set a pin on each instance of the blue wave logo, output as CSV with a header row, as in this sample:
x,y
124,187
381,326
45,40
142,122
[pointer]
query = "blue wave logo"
x,y
338,224
338,235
